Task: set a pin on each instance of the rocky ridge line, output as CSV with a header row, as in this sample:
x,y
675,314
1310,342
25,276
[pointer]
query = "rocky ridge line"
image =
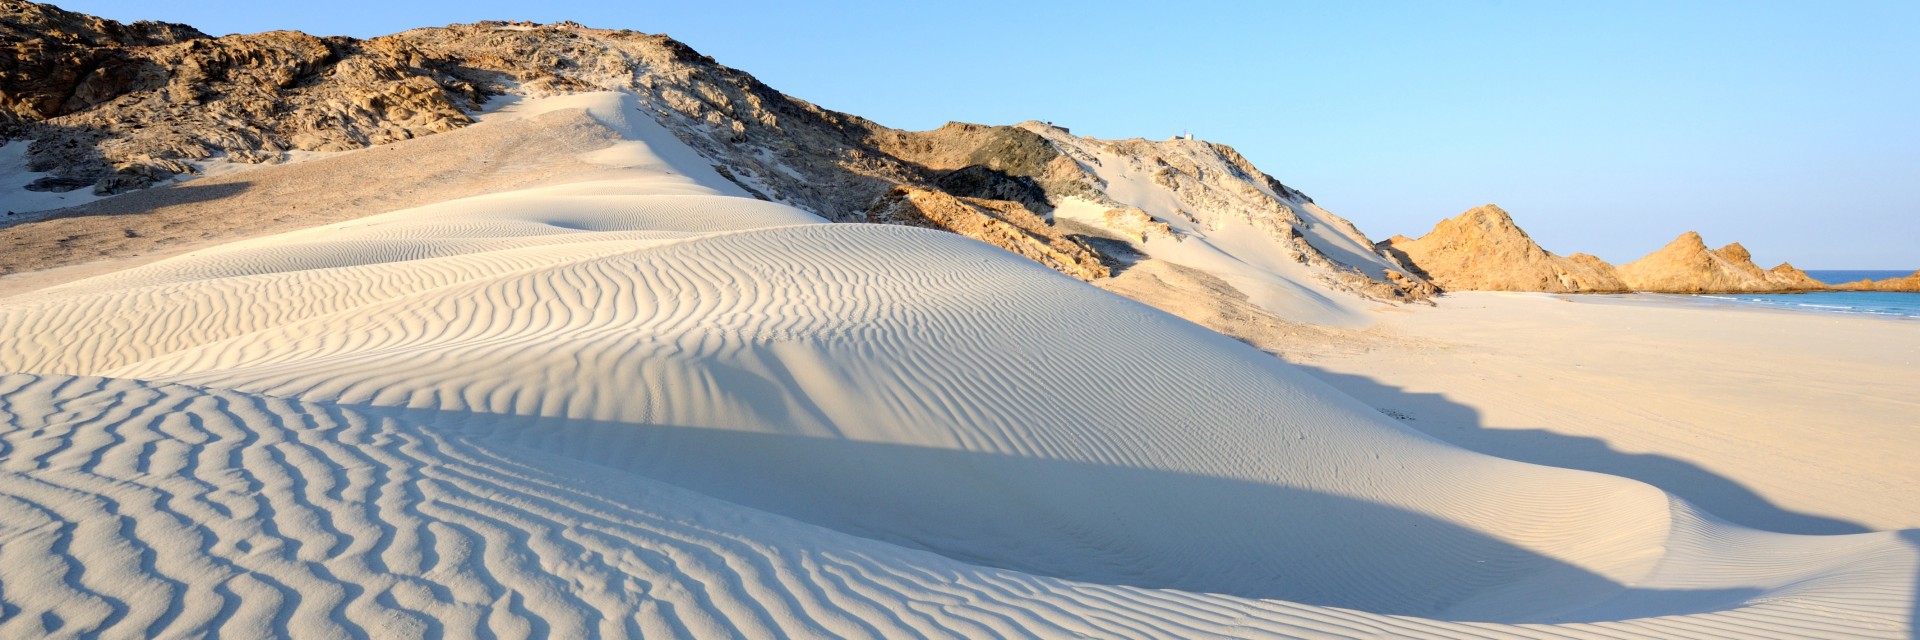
x,y
1906,284
1484,250
186,98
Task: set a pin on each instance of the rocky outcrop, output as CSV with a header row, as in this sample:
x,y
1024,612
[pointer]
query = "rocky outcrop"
x,y
981,161
54,62
1686,265
116,107
1792,278
1001,223
1483,250
1907,284
1135,225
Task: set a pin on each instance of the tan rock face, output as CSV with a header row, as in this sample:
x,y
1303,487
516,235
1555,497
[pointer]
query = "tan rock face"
x,y
151,97
1686,265
1136,224
1001,223
54,62
1793,278
1483,250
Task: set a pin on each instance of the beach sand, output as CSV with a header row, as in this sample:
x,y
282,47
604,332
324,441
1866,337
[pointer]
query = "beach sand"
x,y
1786,421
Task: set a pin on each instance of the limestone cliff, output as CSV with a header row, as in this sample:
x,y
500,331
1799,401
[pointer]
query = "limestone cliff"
x,y
1483,250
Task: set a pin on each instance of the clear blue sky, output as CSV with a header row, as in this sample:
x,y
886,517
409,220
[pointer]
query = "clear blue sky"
x,y
1605,127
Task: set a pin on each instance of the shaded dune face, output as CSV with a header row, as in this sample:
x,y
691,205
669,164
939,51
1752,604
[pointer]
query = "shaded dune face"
x,y
205,509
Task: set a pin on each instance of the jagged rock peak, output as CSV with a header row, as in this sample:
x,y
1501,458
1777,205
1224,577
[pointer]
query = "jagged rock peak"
x,y
1686,265
1735,252
1483,249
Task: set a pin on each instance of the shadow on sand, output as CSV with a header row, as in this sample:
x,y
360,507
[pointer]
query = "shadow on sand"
x,y
1912,537
1096,523
1452,422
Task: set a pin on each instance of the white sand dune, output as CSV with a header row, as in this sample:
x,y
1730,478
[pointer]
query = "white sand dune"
x,y
648,407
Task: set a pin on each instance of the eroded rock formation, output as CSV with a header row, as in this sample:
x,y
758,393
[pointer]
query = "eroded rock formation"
x,y
1686,265
1002,223
1483,250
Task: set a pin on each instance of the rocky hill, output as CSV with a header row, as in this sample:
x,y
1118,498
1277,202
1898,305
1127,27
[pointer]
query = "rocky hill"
x,y
62,62
1483,250
1686,265
154,102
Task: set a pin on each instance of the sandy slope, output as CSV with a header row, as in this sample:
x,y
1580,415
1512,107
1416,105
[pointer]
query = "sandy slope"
x,y
643,405
515,148
1238,229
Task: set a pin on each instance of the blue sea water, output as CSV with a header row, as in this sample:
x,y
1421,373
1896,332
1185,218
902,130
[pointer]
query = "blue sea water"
x,y
1871,303
1845,276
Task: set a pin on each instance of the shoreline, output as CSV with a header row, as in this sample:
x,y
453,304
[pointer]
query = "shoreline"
x,y
1732,301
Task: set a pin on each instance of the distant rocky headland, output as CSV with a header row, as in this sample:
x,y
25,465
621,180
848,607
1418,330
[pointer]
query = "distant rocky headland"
x,y
1484,250
1910,283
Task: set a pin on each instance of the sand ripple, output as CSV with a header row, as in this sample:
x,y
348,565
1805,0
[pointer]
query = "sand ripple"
x,y
588,410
